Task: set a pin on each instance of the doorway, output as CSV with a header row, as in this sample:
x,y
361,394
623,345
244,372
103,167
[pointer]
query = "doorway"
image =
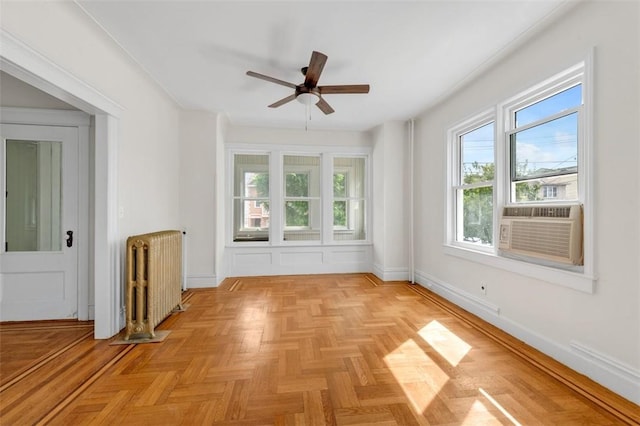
x,y
41,217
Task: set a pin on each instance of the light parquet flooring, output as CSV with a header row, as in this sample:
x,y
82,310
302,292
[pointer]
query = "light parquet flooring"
x,y
295,350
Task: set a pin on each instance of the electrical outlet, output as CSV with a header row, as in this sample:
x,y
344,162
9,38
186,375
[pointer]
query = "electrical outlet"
x,y
483,289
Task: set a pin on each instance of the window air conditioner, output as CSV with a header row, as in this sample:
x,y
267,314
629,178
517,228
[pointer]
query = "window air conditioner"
x,y
545,232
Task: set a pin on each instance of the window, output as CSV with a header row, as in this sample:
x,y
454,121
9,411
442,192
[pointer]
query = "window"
x,y
251,198
349,198
539,154
544,145
302,212
302,198
340,182
549,191
473,183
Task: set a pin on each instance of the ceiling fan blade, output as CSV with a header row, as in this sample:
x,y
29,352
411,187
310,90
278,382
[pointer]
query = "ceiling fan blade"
x,y
324,106
271,79
316,64
283,101
345,88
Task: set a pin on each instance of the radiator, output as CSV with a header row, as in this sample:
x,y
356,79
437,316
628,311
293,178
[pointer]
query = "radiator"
x,y
154,274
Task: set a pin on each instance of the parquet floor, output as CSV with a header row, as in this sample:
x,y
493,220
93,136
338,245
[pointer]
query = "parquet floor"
x,y
291,350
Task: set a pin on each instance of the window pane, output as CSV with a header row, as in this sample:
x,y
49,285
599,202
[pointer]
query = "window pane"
x,y
340,185
251,170
354,177
552,188
549,149
297,185
477,154
296,213
302,176
299,221
340,214
251,220
251,197
34,195
256,184
562,101
477,211
351,215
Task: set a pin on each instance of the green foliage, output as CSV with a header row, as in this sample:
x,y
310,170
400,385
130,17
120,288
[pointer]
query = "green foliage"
x,y
340,213
296,213
339,207
297,185
261,181
527,191
478,204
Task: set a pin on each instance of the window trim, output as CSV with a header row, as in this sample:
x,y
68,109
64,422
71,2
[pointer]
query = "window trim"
x,y
276,153
585,281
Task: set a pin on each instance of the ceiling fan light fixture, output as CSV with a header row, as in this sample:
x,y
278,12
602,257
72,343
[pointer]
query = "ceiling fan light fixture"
x,y
307,98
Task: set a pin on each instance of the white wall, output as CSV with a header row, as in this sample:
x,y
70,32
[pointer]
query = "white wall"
x,y
198,140
597,334
148,150
391,201
263,135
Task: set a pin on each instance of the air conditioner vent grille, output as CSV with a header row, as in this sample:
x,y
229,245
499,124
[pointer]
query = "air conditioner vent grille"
x,y
547,238
552,212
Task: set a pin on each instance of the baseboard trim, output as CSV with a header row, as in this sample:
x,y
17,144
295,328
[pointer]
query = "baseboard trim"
x,y
391,274
604,363
615,404
452,293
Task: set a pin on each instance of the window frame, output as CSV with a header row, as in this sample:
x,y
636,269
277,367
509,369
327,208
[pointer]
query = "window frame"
x,y
241,171
455,186
584,280
314,223
276,154
346,172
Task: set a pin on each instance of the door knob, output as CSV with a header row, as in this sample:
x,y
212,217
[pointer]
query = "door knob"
x,y
69,238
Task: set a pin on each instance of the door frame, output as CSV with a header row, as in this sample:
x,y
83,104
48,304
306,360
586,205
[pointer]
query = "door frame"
x,y
26,64
80,121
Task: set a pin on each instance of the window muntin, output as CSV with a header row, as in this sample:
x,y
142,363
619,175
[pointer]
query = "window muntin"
x,y
251,197
474,186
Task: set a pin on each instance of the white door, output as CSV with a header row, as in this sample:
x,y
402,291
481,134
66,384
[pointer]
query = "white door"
x,y
39,256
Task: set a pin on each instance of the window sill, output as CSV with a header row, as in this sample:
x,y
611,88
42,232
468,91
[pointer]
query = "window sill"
x,y
573,280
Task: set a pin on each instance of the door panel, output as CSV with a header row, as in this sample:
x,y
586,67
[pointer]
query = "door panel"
x,y
39,273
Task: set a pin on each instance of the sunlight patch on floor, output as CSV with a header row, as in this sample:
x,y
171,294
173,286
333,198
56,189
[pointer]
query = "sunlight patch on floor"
x,y
500,408
451,347
409,363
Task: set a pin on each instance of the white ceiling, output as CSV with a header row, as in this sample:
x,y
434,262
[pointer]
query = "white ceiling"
x,y
411,53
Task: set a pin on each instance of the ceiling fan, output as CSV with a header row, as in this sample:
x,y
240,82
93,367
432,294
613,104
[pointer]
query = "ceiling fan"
x,y
309,91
